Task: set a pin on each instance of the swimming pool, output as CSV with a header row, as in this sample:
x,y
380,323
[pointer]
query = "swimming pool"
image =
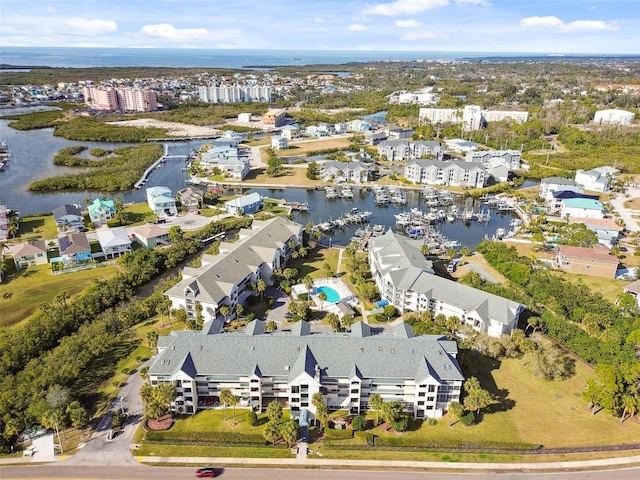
x,y
332,295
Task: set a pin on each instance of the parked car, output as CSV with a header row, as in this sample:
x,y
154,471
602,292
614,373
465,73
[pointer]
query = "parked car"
x,y
451,267
288,315
209,472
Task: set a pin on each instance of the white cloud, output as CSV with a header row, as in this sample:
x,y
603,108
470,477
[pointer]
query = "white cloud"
x,y
404,7
419,36
358,27
407,23
533,22
576,26
85,26
169,32
588,26
318,19
482,3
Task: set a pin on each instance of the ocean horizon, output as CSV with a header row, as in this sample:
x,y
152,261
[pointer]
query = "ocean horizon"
x,y
90,57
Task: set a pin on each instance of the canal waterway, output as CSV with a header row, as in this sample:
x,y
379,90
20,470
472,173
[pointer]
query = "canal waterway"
x,y
32,159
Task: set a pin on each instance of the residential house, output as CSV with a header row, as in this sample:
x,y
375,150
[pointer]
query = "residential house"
x,y
224,279
596,261
398,133
114,242
554,206
290,132
552,184
191,198
29,254
161,201
405,279
279,142
226,155
245,204
597,179
340,128
74,248
397,150
358,125
150,235
356,172
101,211
68,218
4,223
320,130
606,229
634,289
421,372
374,138
581,208
437,172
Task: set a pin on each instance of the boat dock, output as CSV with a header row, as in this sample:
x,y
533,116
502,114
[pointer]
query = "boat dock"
x,y
143,179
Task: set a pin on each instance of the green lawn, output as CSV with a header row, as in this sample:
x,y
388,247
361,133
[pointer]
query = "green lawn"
x,y
313,264
139,214
35,285
37,228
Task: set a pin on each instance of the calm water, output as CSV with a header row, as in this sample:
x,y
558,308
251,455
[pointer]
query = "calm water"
x,y
188,57
33,153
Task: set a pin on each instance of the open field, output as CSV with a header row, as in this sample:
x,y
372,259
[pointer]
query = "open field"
x,y
290,176
35,285
314,268
171,128
309,146
37,228
609,288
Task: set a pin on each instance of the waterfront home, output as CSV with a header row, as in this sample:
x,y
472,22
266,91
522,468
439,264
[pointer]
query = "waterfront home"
x,y
396,133
374,138
581,208
554,205
4,223
244,205
191,198
150,235
228,157
405,279
553,184
101,211
358,125
74,248
397,150
488,158
596,261
279,142
597,179
450,173
225,279
606,229
422,371
68,218
29,254
114,242
290,132
356,172
161,201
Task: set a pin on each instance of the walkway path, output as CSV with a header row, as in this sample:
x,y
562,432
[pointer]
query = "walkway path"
x,y
627,215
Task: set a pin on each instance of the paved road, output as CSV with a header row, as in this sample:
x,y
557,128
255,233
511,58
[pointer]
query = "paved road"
x,y
177,473
618,204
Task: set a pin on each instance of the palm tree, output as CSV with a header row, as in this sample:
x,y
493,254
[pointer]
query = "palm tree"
x,y
62,298
226,397
261,286
239,309
308,284
376,402
224,311
322,297
233,401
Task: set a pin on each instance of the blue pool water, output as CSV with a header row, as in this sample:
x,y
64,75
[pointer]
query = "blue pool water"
x,y
332,295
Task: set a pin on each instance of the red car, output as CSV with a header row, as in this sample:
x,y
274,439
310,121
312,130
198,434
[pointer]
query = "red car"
x,y
206,472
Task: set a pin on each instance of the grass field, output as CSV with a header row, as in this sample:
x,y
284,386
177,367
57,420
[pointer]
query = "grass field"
x,y
37,228
35,285
310,146
290,176
139,214
313,265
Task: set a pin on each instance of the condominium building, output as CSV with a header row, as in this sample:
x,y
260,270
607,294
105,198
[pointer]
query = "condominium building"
x,y
236,94
275,117
438,172
127,99
406,280
224,279
290,367
509,158
473,117
396,150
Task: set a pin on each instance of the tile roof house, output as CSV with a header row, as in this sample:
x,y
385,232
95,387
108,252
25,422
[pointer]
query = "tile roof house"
x,y
595,261
406,280
224,279
101,211
114,242
258,367
150,235
634,289
607,230
29,254
68,218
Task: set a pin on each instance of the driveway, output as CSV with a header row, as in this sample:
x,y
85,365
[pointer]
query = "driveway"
x,y
280,305
627,215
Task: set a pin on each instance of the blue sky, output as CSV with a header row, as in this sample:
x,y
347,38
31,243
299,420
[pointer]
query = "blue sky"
x,y
545,26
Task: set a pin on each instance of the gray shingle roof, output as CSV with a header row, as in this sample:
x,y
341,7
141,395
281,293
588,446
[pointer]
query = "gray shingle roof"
x,y
336,354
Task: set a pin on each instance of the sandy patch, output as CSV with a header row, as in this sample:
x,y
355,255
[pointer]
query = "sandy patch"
x,y
172,128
